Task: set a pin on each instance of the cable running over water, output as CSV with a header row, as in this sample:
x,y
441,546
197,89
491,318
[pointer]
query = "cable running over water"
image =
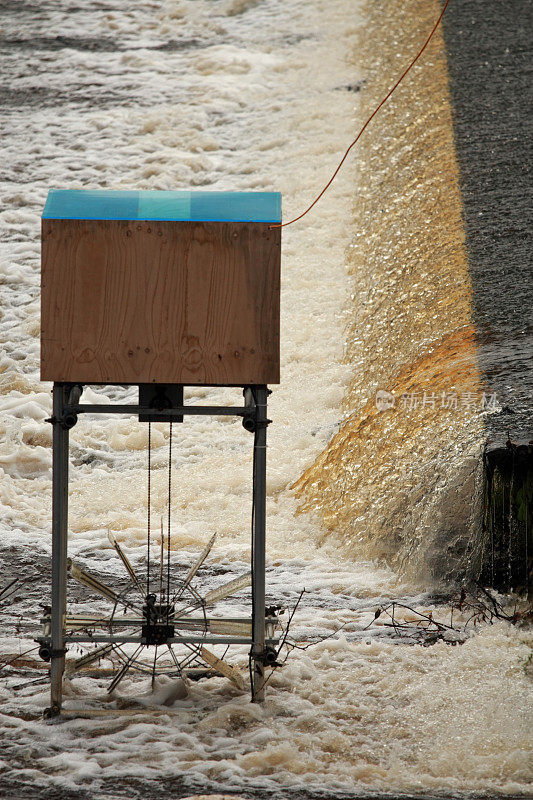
x,y
371,117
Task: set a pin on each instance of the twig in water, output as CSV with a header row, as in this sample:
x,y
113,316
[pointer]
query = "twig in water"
x,y
9,585
293,612
20,655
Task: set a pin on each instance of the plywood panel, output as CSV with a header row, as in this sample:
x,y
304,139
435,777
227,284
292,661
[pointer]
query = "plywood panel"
x,y
165,302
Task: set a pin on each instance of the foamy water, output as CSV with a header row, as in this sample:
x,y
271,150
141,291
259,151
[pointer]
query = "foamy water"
x,y
236,95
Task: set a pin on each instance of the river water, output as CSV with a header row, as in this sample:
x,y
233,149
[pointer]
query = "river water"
x,y
244,95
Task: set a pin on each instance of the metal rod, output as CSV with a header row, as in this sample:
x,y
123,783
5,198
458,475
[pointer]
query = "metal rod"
x,y
60,439
169,519
153,668
148,507
171,640
125,560
259,545
161,553
195,567
216,411
89,619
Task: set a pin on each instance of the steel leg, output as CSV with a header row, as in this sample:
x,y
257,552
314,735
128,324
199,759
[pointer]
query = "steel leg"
x,y
259,544
59,544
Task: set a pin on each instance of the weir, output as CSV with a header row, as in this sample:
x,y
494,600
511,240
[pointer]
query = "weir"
x,y
439,342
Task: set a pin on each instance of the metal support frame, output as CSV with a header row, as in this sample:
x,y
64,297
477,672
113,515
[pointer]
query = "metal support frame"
x,y
259,545
66,409
60,447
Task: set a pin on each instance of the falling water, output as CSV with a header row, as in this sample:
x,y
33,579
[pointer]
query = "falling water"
x,y
403,482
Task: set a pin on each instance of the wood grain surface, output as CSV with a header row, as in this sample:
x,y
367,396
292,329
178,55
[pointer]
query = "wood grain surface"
x,y
162,302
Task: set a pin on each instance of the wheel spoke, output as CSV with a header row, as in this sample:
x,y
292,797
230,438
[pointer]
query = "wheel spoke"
x,y
122,672
153,668
196,566
90,658
97,586
222,666
190,659
125,560
228,589
174,659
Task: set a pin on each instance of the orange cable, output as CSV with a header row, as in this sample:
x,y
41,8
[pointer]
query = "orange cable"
x,y
371,117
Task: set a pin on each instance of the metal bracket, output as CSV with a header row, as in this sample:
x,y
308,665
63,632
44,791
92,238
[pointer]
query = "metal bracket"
x,y
160,396
46,652
268,657
250,421
68,418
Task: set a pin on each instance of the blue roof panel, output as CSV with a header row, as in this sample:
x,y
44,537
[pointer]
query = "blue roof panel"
x,y
181,206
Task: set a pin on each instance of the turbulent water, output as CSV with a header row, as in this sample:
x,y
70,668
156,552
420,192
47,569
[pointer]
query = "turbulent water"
x,y
233,95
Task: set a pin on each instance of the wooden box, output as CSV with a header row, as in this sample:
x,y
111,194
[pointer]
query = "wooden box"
x,y
160,287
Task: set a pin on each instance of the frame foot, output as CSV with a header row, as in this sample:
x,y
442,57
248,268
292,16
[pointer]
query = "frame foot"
x,y
52,712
